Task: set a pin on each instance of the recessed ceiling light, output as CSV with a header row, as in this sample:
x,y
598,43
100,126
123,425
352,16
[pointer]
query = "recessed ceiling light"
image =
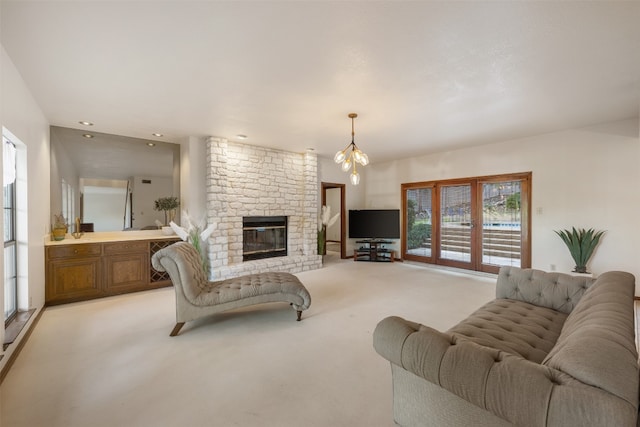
x,y
151,144
82,122
157,134
87,135
240,136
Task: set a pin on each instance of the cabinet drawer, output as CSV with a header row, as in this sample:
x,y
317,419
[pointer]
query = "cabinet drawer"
x,y
74,251
121,247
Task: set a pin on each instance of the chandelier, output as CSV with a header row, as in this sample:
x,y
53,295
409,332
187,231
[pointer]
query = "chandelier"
x,y
348,158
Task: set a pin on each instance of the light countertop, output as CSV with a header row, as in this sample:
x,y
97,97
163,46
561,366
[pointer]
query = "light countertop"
x,y
110,236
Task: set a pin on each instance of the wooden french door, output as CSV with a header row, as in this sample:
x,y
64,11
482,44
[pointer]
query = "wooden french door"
x,y
456,231
341,208
477,223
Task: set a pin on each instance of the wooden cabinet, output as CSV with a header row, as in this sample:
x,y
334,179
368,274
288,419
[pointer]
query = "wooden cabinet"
x,y
79,271
73,272
126,266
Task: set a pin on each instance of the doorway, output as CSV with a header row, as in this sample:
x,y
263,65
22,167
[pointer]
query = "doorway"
x,y
333,196
479,223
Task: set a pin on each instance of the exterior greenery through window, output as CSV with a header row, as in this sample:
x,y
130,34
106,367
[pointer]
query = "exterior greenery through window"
x,y
419,227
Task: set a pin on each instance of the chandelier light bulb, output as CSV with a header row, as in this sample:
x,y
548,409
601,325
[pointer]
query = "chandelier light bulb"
x,y
340,156
355,177
357,155
364,159
346,165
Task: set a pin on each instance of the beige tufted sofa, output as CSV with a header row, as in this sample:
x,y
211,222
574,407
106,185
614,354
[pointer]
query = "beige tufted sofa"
x,y
197,297
550,350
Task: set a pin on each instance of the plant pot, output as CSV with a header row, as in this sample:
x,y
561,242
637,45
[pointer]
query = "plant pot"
x,y
58,234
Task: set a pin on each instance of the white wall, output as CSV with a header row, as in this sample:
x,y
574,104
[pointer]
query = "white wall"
x,y
20,114
104,207
584,177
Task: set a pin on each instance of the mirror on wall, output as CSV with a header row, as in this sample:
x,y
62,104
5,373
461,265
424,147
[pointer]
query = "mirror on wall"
x,y
109,181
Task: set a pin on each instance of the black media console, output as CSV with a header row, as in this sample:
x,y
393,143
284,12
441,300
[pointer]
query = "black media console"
x,y
373,250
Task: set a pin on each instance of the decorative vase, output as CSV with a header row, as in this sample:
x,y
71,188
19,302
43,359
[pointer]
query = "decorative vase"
x,y
322,241
58,233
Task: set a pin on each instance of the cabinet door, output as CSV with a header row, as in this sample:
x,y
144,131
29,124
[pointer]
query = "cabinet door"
x,y
73,279
126,273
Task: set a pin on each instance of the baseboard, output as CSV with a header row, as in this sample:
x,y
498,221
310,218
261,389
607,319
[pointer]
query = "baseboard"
x,y
21,344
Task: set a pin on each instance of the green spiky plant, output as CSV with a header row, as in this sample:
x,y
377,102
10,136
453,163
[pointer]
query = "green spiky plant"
x,y
581,244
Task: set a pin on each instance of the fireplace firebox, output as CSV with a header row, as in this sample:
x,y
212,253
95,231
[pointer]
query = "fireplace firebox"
x,y
264,237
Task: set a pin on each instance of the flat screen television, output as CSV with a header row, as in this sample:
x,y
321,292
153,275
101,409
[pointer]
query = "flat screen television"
x,y
374,224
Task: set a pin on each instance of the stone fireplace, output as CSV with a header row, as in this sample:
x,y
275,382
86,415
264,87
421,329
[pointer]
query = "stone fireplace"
x,y
250,181
264,237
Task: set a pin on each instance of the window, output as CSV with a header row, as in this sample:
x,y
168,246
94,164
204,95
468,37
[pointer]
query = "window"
x,y
10,247
479,223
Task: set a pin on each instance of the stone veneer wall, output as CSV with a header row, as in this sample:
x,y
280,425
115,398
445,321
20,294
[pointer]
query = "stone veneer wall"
x,y
245,180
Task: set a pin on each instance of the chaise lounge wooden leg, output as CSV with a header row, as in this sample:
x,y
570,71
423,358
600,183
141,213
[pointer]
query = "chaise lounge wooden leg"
x,y
299,315
176,329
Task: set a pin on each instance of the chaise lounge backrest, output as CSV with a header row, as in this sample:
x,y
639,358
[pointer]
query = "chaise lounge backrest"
x,y
187,267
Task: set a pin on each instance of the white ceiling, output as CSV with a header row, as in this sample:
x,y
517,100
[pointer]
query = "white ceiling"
x,y
423,76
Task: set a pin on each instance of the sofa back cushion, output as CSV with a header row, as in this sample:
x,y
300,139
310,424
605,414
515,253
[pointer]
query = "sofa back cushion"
x,y
597,342
557,291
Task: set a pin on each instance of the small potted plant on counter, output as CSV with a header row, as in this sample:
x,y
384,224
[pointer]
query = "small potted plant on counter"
x,y
59,227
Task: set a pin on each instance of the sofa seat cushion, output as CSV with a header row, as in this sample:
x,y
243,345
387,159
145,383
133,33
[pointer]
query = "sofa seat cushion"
x,y
515,327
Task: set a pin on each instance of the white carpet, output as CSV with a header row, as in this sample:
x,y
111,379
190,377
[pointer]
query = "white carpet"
x,y
111,362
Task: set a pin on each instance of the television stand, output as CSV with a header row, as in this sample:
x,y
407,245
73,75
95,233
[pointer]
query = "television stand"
x,y
373,250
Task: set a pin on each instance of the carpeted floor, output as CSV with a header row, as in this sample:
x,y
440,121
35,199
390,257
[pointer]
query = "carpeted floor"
x,y
111,362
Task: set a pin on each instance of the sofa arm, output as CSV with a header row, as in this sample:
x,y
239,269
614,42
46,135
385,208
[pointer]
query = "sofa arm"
x,y
508,386
396,339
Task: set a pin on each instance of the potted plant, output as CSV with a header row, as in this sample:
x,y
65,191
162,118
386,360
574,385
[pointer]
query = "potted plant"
x,y
581,243
59,227
168,205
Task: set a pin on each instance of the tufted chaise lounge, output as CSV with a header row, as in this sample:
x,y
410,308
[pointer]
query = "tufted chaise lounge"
x,y
550,350
197,297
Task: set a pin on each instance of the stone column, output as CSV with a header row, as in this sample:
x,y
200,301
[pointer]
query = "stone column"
x,y
310,210
217,203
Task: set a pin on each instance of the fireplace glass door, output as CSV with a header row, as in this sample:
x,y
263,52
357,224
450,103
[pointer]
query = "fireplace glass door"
x,y
264,237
